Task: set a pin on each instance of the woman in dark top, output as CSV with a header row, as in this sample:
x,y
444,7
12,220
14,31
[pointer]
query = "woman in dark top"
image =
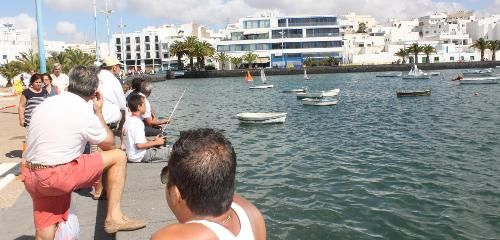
x,y
47,82
31,97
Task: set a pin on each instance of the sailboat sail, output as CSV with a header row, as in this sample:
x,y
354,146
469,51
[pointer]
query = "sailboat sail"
x,y
263,76
305,75
248,77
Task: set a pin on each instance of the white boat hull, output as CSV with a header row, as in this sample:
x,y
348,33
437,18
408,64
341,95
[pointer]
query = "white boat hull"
x,y
417,77
261,118
319,102
309,95
261,87
480,80
389,75
331,93
296,90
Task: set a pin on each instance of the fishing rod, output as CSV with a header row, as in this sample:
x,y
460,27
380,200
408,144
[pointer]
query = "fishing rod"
x,y
173,110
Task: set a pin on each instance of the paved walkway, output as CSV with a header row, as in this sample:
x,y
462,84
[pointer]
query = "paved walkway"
x,y
144,195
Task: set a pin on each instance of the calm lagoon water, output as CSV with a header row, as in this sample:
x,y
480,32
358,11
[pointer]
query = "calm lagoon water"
x,y
373,167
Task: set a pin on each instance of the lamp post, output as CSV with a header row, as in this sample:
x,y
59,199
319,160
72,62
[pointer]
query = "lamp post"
x,y
95,32
107,12
41,44
282,43
123,52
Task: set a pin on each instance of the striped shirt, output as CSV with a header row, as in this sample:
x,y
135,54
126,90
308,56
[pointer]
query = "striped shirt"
x,y
32,101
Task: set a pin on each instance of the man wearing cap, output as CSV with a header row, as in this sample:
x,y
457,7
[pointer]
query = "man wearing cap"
x,y
115,105
59,79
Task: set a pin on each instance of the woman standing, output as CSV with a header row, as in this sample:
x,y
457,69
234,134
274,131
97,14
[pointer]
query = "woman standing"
x,y
31,97
51,89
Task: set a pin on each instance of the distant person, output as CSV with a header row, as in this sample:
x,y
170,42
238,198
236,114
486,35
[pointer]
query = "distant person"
x,y
135,87
60,128
59,79
138,148
153,125
47,82
200,185
31,97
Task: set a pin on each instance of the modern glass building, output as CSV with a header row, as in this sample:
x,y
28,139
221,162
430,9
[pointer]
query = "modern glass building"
x,y
285,41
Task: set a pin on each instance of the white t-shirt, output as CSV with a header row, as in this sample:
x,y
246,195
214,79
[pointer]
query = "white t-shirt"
x,y
62,82
147,113
134,133
114,99
59,129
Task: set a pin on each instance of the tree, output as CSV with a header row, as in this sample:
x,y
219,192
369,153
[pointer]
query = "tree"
x,y
58,57
250,58
29,61
482,45
308,62
10,70
178,49
428,50
75,57
222,58
236,61
415,49
203,50
361,28
493,45
403,53
191,48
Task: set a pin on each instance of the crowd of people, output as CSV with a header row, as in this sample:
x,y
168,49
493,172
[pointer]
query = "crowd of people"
x,y
71,124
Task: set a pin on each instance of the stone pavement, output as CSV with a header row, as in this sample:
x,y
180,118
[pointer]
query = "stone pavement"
x,y
144,195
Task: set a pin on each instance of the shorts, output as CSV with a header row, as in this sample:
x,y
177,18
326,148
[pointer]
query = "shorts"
x,y
51,188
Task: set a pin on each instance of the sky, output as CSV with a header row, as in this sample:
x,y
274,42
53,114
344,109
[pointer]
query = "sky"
x,y
73,20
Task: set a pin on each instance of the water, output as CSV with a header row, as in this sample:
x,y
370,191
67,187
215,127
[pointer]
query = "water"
x,y
373,167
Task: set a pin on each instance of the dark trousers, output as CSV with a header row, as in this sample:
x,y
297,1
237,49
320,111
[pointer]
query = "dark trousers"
x,y
152,131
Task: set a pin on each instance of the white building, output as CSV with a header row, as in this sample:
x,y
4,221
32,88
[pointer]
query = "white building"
x,y
13,41
487,28
284,41
149,48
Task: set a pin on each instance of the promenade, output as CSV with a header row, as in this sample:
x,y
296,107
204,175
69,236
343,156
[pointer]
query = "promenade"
x,y
144,195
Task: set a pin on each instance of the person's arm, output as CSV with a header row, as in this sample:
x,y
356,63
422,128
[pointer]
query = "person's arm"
x,y
158,141
155,122
109,142
21,108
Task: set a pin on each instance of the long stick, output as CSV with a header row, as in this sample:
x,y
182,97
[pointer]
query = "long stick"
x,y
177,104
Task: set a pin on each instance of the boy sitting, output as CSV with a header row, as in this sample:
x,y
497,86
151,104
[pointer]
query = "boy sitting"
x,y
138,148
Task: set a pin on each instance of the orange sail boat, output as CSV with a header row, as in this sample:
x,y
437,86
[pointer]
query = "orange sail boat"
x,y
248,77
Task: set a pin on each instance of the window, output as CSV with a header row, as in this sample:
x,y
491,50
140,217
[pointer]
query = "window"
x,y
119,56
137,39
436,59
4,57
452,59
137,56
118,40
156,39
118,48
127,40
157,55
322,32
287,33
472,58
256,24
146,39
148,55
148,47
129,56
128,47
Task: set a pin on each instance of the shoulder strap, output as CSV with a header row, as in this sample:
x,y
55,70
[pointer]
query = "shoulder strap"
x,y
221,232
246,231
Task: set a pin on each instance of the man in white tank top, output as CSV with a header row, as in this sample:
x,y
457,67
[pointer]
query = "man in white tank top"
x,y
200,179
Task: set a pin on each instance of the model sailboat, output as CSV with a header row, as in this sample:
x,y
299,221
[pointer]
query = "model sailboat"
x,y
248,77
263,79
305,75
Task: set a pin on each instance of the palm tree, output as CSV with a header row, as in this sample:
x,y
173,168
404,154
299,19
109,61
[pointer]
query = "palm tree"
x,y
191,47
178,49
236,61
250,57
10,70
202,50
29,61
361,28
222,58
308,62
58,57
77,58
403,53
415,49
428,50
493,45
482,45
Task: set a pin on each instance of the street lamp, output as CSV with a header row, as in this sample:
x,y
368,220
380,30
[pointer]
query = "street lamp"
x,y
107,12
95,32
282,43
41,44
123,53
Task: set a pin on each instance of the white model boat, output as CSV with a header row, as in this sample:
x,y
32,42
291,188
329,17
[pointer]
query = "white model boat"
x,y
320,101
479,80
302,95
390,74
434,73
262,117
263,79
331,93
305,75
416,73
295,90
478,73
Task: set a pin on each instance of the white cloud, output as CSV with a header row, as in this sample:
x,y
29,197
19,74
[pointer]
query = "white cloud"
x,y
21,21
69,5
69,30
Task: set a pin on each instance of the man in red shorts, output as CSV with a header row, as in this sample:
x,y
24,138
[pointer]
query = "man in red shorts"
x,y
56,165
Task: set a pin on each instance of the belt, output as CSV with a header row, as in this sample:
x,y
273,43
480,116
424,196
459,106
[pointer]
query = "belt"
x,y
36,166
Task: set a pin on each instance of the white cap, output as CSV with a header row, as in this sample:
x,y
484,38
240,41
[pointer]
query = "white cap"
x,y
111,61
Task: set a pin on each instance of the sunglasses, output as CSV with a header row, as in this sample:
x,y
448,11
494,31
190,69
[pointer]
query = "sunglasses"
x,y
164,175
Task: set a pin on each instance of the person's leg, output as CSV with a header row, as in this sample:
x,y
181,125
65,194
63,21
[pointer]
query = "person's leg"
x,y
47,233
98,187
151,131
115,165
156,155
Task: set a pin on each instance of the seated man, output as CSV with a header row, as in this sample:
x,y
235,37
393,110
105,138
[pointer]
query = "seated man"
x,y
55,165
138,148
153,125
200,178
